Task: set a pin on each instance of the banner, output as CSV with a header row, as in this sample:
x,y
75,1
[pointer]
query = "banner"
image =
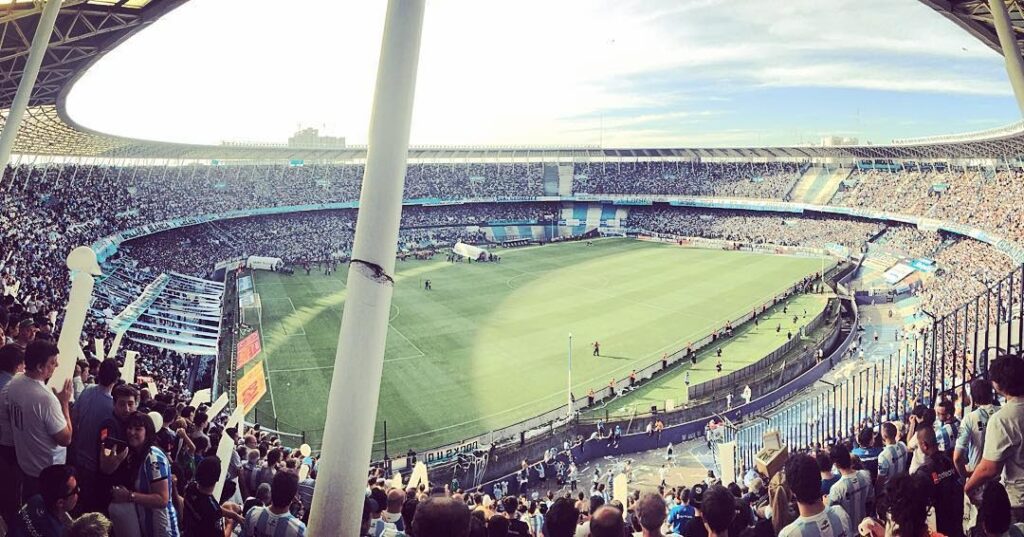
x,y
251,388
248,348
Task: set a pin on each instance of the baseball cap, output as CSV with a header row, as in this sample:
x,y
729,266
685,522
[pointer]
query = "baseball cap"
x,y
697,494
27,322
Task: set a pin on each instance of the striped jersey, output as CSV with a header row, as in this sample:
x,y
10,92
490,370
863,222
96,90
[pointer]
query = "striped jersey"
x,y
832,522
944,436
260,522
851,492
156,522
892,460
972,434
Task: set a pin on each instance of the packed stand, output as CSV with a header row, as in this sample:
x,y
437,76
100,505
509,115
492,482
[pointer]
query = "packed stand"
x,y
317,236
968,268
736,179
982,198
910,241
104,456
738,226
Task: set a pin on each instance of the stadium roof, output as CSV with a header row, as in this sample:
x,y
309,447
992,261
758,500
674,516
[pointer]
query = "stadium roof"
x,y
87,29
975,17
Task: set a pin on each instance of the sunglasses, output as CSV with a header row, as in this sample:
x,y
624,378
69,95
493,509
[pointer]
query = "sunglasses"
x,y
73,491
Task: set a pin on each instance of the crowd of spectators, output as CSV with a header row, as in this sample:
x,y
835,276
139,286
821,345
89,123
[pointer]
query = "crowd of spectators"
x,y
910,241
968,269
145,462
975,197
299,238
739,226
736,179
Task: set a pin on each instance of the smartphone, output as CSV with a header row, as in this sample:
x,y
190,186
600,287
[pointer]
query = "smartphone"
x,y
114,444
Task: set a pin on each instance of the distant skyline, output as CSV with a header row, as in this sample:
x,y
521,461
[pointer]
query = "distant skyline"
x,y
624,73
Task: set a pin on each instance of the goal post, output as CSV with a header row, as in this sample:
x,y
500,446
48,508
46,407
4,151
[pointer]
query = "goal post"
x,y
251,310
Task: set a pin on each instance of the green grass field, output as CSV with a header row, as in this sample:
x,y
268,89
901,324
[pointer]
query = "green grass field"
x,y
487,346
748,344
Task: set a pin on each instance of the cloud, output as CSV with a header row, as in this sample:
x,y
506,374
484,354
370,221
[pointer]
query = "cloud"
x,y
522,72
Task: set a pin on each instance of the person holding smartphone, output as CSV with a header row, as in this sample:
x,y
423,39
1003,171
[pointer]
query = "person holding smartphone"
x,y
151,489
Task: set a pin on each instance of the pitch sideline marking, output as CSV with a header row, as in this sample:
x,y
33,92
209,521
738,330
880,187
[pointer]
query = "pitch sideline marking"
x,y
316,368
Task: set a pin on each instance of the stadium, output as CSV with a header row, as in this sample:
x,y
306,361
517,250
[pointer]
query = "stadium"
x,y
552,320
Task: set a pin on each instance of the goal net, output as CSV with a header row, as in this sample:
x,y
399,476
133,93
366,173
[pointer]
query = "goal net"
x,y
251,310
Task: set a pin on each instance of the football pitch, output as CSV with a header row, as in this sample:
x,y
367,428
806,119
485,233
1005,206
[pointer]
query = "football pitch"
x,y
487,346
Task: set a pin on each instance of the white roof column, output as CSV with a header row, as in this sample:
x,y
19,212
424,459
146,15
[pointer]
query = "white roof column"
x,y
1011,51
36,52
359,363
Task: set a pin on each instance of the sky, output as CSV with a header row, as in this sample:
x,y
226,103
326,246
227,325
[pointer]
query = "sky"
x,y
614,73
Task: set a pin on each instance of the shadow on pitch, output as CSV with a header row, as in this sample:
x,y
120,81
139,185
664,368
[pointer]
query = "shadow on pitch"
x,y
613,357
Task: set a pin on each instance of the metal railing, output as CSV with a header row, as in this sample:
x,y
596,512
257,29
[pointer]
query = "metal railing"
x,y
938,362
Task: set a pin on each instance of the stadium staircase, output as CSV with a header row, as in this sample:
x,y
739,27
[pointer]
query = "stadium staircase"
x,y
831,186
806,182
563,180
818,185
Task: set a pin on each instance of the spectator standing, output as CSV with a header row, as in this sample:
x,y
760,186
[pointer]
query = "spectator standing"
x,y
1004,436
276,520
390,522
202,515
947,496
853,490
607,522
970,443
695,527
152,489
866,451
92,408
893,458
681,513
12,362
815,520
39,417
828,476
719,510
905,509
442,517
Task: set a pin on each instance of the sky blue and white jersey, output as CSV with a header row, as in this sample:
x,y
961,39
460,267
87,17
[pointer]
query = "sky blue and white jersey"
x,y
156,522
944,435
851,492
972,434
892,460
260,522
832,522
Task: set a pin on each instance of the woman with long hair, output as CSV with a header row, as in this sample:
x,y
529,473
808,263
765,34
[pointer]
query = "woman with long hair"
x,y
903,510
152,488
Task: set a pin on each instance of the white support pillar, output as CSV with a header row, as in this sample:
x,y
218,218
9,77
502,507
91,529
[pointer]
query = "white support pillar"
x,y
1011,51
355,385
40,41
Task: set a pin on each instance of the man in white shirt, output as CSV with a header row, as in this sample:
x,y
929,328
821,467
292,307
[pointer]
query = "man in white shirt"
x,y
1004,436
970,443
38,416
